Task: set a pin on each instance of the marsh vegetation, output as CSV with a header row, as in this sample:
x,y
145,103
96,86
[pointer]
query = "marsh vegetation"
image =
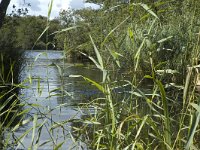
x,y
138,91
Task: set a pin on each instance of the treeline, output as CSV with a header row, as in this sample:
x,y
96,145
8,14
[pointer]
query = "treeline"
x,y
22,33
131,31
128,30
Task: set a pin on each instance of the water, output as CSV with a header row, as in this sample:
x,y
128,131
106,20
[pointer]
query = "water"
x,y
49,85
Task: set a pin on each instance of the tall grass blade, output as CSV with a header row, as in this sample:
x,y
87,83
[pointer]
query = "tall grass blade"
x,y
39,134
115,56
93,60
64,30
21,138
137,55
187,85
59,145
148,10
167,128
165,39
110,33
34,129
195,123
50,9
46,29
99,58
101,88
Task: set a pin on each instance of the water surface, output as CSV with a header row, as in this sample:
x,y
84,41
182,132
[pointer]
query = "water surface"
x,y
56,95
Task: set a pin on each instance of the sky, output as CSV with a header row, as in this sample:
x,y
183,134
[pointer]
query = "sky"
x,y
40,7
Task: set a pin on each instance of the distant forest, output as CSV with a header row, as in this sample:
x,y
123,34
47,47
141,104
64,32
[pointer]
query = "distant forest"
x,y
69,31
22,32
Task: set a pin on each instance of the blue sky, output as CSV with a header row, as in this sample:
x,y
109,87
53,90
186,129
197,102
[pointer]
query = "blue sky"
x,y
40,7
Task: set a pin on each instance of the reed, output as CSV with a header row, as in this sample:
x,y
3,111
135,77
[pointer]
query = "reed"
x,y
146,120
154,107
10,107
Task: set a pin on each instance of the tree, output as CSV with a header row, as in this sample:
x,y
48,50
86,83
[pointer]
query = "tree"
x,y
3,8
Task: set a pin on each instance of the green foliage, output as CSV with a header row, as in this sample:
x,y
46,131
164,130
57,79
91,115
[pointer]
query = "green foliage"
x,y
10,106
152,41
22,32
109,23
158,38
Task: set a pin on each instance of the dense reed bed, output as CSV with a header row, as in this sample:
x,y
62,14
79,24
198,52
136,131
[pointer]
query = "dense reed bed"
x,y
149,64
10,107
159,50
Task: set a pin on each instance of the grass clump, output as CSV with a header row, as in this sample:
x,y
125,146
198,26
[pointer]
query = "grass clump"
x,y
10,107
157,47
148,55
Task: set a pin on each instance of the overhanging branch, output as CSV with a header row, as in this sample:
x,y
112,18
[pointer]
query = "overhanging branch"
x,y
3,8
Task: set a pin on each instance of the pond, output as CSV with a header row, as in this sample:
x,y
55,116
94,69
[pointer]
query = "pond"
x,y
52,97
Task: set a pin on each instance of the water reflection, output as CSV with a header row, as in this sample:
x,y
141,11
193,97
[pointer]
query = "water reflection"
x,y
56,94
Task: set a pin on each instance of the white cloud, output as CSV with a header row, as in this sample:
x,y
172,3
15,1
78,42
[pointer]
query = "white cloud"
x,y
40,7
94,6
77,4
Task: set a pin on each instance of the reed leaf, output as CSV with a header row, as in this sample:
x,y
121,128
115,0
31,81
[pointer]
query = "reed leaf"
x,y
59,145
64,30
115,56
148,10
165,39
99,58
39,134
34,129
195,123
110,33
167,128
187,85
93,60
50,8
101,88
44,31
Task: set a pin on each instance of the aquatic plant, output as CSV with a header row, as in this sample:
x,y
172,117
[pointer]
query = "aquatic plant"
x,y
151,103
163,116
